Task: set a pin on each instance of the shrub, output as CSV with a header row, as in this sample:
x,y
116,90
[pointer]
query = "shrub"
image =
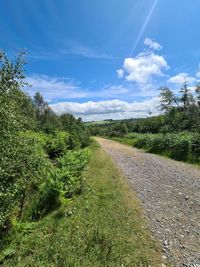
x,y
180,148
84,136
71,167
62,182
57,144
141,141
47,199
195,147
21,163
74,141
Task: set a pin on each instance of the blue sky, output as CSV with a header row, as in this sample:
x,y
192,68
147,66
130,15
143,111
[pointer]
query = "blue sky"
x,y
104,59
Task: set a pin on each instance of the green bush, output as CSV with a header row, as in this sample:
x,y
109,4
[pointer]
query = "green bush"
x,y
47,199
159,144
70,169
22,161
63,181
176,146
141,142
41,138
57,144
74,141
195,147
181,146
84,137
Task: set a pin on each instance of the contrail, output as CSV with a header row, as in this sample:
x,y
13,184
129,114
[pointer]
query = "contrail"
x,y
144,26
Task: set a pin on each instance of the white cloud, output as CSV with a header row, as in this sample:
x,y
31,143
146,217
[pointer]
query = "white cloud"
x,y
192,89
198,72
152,44
142,68
118,89
180,78
84,51
113,109
114,90
58,88
54,87
120,73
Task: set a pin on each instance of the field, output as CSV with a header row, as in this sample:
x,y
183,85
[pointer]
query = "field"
x,y
105,122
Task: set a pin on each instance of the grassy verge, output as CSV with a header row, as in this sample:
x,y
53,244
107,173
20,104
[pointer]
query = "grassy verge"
x,y
124,140
102,227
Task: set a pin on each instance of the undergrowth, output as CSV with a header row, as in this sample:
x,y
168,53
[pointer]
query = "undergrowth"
x,y
179,146
103,227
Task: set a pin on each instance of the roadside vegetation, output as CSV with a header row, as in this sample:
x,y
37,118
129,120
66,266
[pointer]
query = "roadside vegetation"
x,y
43,155
180,146
103,226
175,134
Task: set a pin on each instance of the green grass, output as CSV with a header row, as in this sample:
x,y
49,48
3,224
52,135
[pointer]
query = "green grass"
x,y
124,140
102,227
101,122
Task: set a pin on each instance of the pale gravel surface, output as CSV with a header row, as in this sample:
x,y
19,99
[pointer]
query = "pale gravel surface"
x,y
170,193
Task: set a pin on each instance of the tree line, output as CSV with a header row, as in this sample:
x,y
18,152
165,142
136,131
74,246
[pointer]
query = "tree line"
x,y
179,112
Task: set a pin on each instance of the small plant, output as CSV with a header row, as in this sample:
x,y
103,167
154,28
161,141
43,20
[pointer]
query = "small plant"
x,y
48,199
57,145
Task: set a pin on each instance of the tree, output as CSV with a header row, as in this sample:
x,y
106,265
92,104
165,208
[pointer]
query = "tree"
x,y
124,129
40,106
11,72
65,121
19,160
167,99
186,98
198,94
47,120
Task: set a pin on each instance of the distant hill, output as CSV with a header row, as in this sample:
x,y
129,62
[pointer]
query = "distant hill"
x,y
109,121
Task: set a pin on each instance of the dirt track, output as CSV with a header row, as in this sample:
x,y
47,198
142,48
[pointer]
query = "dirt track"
x,y
170,193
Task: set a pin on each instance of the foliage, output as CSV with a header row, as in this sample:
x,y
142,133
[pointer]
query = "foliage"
x,y
20,160
11,72
63,180
182,112
102,227
38,166
176,146
195,147
57,144
74,140
47,199
71,167
180,146
46,119
114,129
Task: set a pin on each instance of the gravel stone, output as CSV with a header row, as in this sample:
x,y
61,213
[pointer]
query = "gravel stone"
x,y
169,192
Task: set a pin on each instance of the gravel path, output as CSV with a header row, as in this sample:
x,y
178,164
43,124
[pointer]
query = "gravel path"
x,y
169,191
